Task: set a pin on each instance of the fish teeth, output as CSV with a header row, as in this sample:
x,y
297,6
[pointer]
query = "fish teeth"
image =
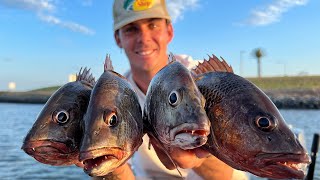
x,y
302,166
33,149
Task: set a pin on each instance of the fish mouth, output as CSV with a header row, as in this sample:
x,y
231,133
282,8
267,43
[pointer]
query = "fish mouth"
x,y
100,162
189,135
283,166
51,152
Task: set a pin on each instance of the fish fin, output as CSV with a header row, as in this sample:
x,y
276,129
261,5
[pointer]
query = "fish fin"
x,y
212,65
107,63
171,58
85,77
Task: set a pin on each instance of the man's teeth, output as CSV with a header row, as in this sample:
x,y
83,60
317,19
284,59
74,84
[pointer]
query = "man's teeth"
x,y
144,53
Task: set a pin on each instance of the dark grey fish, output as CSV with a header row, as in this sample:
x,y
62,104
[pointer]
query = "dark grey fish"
x,y
247,130
113,126
55,136
174,108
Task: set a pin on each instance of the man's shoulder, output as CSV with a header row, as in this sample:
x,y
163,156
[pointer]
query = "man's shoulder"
x,y
186,60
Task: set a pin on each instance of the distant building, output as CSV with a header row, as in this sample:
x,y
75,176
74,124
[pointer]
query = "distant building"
x,y
72,77
12,86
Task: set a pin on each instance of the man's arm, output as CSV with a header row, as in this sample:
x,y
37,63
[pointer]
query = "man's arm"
x,y
212,168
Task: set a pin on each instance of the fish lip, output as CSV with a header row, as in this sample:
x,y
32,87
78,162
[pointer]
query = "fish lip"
x,y
200,131
293,164
60,147
192,128
51,152
93,160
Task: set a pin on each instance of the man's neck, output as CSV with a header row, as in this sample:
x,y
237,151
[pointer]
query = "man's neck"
x,y
142,79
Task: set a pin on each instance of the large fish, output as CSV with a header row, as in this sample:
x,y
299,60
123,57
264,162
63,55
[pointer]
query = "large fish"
x,y
247,130
174,108
55,136
113,126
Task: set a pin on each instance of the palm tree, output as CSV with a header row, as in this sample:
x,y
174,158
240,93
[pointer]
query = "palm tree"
x,y
258,53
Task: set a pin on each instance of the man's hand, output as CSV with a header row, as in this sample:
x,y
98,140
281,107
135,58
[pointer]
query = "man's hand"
x,y
185,159
202,162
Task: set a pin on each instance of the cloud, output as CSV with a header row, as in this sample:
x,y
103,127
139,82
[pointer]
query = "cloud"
x,y
44,10
7,59
86,2
69,25
272,13
176,8
32,5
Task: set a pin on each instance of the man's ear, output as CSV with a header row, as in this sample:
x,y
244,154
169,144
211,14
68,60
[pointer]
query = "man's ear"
x,y
117,38
170,32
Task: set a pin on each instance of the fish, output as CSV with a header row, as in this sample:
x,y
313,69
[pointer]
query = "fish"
x,y
113,126
174,109
247,130
55,136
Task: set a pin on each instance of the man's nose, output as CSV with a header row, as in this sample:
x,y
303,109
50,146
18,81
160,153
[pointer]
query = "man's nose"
x,y
145,35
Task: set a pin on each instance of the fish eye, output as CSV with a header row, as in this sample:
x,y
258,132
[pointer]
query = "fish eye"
x,y
61,117
265,124
113,120
174,98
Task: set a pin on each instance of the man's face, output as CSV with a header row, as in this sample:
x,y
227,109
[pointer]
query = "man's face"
x,y
145,43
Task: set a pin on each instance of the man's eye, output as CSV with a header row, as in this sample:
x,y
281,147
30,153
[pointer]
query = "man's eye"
x,y
130,30
152,26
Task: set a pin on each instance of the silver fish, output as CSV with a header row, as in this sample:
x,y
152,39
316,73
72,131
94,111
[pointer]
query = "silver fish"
x,y
174,108
113,126
55,136
247,130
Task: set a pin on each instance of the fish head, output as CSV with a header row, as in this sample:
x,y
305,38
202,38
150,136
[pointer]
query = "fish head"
x,y
56,134
249,133
113,127
175,108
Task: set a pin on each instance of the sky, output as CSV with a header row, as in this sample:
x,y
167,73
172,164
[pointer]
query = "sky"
x,y
43,41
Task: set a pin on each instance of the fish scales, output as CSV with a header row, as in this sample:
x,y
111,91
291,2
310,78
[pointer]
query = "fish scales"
x,y
113,124
247,130
55,136
174,108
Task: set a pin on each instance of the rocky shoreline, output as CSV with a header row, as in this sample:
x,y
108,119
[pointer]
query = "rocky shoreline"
x,y
283,99
295,98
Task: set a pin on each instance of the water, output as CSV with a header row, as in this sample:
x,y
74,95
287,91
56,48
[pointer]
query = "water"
x,y
17,119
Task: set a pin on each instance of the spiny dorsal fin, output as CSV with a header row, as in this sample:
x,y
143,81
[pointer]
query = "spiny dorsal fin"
x,y
107,63
212,65
171,58
86,77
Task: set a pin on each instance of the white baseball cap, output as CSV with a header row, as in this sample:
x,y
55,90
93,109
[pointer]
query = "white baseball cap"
x,y
128,11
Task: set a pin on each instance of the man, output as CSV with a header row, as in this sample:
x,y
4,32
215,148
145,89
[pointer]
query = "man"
x,y
142,28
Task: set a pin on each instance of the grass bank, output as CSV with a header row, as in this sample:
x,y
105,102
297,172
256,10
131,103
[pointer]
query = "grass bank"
x,y
287,83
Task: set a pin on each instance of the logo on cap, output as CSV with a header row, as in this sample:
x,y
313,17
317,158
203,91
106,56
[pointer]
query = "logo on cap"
x,y
137,5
